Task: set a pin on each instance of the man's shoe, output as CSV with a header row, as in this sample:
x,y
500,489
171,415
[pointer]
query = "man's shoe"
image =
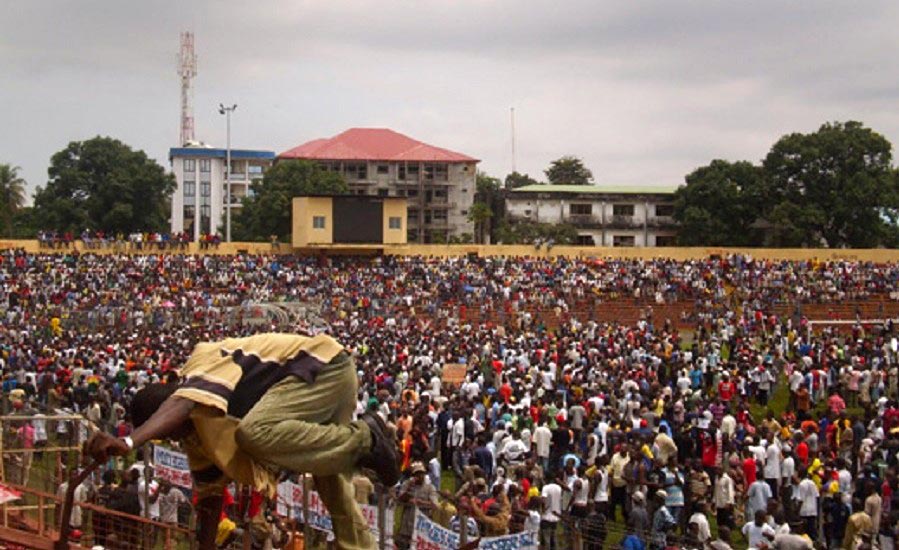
x,y
382,457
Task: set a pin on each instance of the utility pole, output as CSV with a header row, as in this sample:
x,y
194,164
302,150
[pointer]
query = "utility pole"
x,y
227,112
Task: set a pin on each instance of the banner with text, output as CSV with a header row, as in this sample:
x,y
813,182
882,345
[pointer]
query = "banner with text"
x,y
431,536
290,504
172,466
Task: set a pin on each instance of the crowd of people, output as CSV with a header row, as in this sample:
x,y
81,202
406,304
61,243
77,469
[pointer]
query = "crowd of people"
x,y
742,429
137,240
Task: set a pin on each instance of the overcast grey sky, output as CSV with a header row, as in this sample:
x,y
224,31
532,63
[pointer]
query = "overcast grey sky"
x,y
643,91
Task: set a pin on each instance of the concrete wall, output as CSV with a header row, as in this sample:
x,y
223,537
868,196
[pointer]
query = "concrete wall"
x,y
676,253
395,208
304,210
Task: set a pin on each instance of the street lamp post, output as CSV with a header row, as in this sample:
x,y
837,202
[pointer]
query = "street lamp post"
x,y
227,112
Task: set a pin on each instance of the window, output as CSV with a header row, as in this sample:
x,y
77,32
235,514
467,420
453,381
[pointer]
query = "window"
x,y
395,222
412,214
464,212
664,210
383,169
439,215
408,171
255,169
205,219
665,240
318,222
190,165
190,189
190,213
205,189
383,192
585,240
623,210
581,209
355,171
413,192
624,240
205,165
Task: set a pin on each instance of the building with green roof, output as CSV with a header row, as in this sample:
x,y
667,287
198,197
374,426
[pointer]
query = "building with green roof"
x,y
604,215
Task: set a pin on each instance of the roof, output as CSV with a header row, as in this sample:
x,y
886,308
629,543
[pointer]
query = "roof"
x,y
204,152
373,144
599,189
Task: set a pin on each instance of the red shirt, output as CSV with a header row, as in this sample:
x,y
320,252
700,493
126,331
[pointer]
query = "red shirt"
x,y
709,451
749,471
726,390
506,392
802,452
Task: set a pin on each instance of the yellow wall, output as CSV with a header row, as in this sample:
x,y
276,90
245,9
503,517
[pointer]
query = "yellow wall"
x,y
306,208
676,253
395,208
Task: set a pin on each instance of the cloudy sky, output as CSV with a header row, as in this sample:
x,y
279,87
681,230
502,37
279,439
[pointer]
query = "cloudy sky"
x,y
643,91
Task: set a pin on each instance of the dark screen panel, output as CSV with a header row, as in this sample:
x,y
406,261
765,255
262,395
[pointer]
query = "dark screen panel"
x,y
358,220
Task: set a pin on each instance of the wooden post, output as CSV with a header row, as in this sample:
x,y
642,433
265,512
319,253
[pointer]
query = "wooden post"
x,y
382,520
307,529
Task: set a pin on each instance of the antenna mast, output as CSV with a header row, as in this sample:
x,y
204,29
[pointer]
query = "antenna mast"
x,y
513,139
187,69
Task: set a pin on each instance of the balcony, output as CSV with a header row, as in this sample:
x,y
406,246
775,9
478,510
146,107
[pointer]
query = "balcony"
x,y
584,220
661,222
624,222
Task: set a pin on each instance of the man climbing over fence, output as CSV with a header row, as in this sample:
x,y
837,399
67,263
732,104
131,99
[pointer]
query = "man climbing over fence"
x,y
248,408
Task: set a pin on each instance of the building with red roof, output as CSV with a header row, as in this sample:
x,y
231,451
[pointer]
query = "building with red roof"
x,y
439,184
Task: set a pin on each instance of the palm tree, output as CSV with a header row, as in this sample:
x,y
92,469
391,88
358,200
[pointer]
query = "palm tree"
x,y
12,194
480,215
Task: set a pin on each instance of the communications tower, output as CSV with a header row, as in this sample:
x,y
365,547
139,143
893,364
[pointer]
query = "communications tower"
x,y
187,69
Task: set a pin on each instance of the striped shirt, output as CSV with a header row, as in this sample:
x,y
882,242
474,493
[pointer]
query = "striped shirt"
x,y
232,375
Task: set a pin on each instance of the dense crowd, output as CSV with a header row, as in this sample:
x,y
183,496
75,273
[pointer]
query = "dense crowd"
x,y
137,240
745,430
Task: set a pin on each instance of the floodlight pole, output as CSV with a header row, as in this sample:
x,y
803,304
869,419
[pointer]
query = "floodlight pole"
x,y
227,112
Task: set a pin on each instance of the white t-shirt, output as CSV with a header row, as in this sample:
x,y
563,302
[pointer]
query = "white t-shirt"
x,y
542,440
756,535
772,461
552,497
787,468
807,495
154,506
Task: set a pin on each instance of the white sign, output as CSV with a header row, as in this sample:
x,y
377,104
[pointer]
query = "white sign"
x,y
172,466
431,536
290,504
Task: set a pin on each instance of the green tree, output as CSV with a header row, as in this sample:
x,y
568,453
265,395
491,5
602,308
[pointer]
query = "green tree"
x,y
103,184
488,192
526,232
568,170
480,215
516,180
12,196
835,187
267,211
720,205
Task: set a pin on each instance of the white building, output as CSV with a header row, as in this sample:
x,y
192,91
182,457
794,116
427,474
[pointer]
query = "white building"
x,y
439,184
603,215
199,203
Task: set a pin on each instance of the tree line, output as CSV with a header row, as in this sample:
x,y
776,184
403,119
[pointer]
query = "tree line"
x,y
834,187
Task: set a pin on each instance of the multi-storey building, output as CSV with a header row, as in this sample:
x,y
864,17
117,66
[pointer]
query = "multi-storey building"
x,y
603,215
200,201
439,184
